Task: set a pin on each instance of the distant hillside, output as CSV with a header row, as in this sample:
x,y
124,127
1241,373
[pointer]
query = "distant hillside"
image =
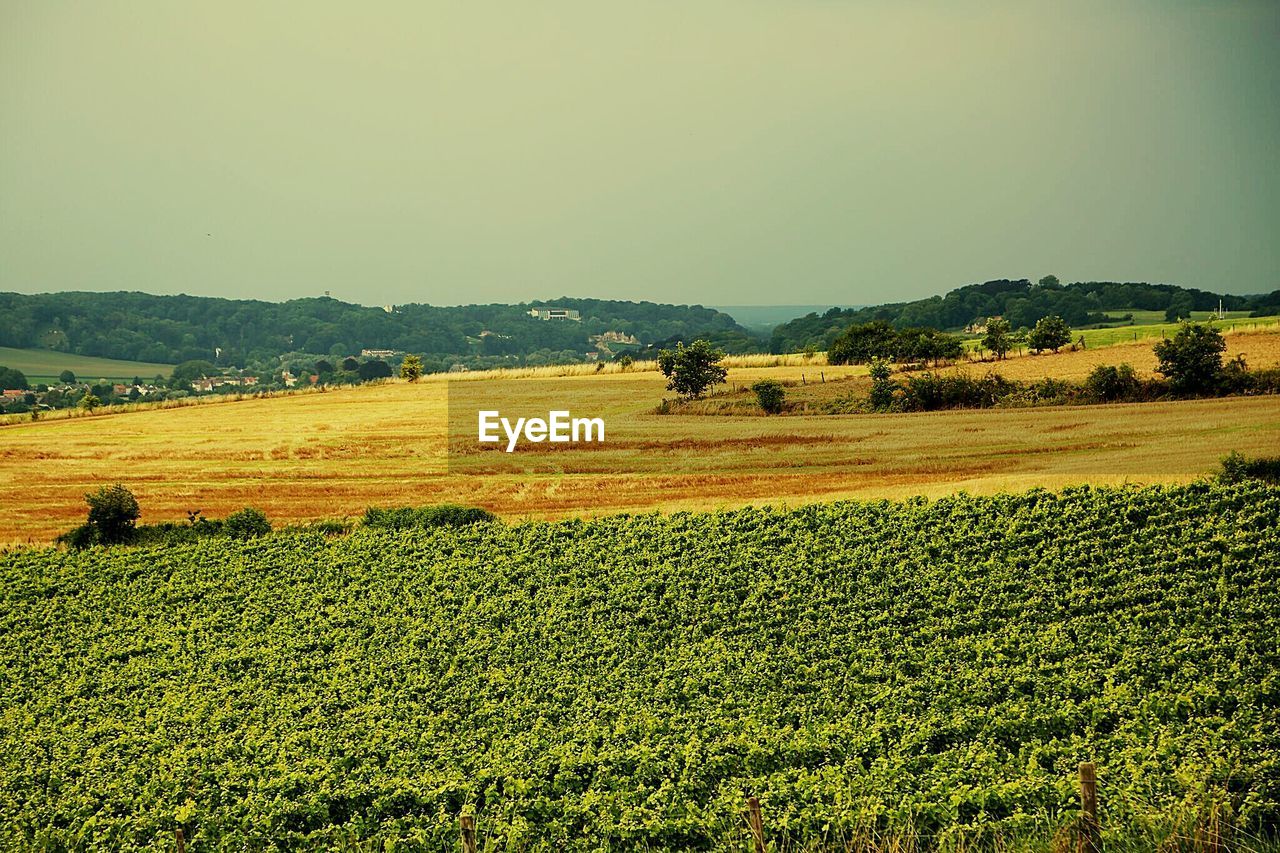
x,y
1020,302
144,327
766,317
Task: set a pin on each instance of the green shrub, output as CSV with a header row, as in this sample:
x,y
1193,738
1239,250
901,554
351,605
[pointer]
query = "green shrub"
x,y
930,392
441,515
1237,468
246,524
113,512
170,533
770,394
84,536
1108,382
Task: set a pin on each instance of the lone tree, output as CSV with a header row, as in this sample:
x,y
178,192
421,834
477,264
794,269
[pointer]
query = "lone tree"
x,y
113,512
770,394
411,368
1192,359
66,377
1051,332
882,387
997,338
90,401
692,370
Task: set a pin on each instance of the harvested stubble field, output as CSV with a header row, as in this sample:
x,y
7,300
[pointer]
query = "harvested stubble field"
x,y
332,454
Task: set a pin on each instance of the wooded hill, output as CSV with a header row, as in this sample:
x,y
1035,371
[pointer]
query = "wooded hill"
x,y
170,329
1020,302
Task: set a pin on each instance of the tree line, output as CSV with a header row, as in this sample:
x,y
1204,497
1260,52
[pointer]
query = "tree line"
x,y
174,329
1019,302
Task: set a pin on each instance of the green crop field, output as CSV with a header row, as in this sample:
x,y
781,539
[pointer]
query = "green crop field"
x,y
42,365
924,672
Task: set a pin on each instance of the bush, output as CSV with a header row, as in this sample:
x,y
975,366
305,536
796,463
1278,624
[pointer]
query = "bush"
x,y
1109,382
246,524
84,536
113,513
929,392
1237,468
770,394
410,518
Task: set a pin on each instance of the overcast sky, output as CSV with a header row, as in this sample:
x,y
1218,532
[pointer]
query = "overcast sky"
x,y
719,152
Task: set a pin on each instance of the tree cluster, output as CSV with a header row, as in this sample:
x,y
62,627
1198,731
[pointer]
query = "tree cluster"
x,y
862,343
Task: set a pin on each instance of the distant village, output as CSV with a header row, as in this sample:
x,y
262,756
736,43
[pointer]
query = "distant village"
x,y
297,370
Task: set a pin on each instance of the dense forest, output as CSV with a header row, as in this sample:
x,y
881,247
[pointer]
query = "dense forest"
x,y
1020,302
170,329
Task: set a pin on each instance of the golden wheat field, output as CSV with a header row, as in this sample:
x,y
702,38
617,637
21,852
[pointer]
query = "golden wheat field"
x,y
331,454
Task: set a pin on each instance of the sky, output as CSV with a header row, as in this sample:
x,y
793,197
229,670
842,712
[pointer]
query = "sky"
x,y
691,151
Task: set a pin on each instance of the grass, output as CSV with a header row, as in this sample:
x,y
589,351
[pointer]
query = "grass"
x,y
1127,334
334,453
42,365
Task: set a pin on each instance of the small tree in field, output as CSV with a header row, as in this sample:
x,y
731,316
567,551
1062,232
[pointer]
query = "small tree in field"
x,y
997,338
1050,333
411,368
882,387
1192,359
692,370
113,513
770,395
89,402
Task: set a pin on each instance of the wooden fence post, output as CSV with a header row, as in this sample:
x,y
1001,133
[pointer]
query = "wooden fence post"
x,y
467,824
756,820
182,842
1089,840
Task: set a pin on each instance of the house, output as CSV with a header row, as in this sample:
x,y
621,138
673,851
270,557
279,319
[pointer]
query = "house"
x,y
379,353
15,394
555,314
289,379
616,338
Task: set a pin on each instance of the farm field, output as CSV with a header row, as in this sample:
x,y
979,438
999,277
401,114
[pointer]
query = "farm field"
x,y
889,676
45,366
333,454
1148,325
1159,328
